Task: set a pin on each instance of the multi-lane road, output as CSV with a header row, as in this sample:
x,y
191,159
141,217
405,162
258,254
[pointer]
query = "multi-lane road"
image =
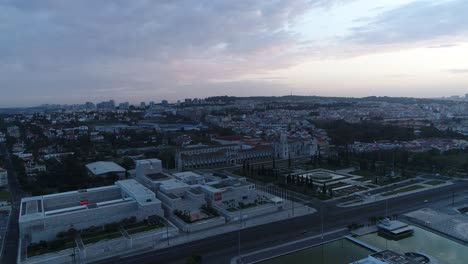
x,y
12,237
222,248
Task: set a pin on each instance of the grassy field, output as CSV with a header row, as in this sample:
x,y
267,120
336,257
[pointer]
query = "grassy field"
x,y
405,189
143,228
93,239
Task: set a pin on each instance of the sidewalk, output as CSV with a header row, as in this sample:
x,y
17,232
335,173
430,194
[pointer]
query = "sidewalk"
x,y
289,247
379,196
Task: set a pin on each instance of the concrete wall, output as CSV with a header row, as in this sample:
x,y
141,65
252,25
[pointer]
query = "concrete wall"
x,y
151,238
191,202
59,257
197,226
247,213
47,229
234,194
107,248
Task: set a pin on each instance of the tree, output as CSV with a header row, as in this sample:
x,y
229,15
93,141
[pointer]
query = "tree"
x,y
363,165
128,163
194,259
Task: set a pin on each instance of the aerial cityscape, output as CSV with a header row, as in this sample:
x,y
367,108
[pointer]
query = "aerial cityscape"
x,y
212,132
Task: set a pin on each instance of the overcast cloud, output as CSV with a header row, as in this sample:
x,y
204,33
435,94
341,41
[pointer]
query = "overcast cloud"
x,y
72,51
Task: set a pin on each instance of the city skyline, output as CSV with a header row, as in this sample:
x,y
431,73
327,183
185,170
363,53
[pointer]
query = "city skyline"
x,y
73,52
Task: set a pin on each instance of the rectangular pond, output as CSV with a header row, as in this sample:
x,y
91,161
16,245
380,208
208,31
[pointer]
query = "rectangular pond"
x,y
444,250
340,251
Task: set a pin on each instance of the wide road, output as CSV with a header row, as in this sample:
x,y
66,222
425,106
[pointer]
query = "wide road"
x,y
11,242
221,248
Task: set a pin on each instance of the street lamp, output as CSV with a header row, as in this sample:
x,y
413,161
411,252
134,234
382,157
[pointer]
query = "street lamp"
x,y
239,233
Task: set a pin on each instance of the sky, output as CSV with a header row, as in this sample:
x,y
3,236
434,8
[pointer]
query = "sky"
x,y
66,51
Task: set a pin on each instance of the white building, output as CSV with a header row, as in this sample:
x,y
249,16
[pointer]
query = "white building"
x,y
295,147
147,167
230,190
42,217
105,168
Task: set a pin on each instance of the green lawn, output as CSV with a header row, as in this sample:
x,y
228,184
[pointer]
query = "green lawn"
x,y
337,185
35,251
405,189
94,239
434,182
5,196
144,228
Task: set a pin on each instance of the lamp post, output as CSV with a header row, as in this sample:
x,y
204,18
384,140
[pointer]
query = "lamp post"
x,y
386,207
239,233
321,217
453,197
167,231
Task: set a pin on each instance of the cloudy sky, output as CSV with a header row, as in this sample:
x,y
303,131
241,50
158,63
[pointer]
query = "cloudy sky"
x,y
68,51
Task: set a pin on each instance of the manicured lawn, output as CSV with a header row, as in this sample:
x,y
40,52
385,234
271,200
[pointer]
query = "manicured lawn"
x,y
35,250
337,185
434,182
95,238
246,206
144,228
402,190
5,196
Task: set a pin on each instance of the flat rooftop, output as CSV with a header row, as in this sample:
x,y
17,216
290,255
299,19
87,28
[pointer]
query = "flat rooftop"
x,y
230,183
40,207
158,176
101,167
137,191
173,184
392,225
186,174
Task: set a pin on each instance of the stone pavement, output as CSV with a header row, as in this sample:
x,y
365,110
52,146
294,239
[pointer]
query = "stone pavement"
x,y
452,225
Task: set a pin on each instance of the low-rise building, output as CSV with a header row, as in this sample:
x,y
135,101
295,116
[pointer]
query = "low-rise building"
x,y
32,169
190,177
229,191
104,169
179,196
42,217
394,229
149,173
192,157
